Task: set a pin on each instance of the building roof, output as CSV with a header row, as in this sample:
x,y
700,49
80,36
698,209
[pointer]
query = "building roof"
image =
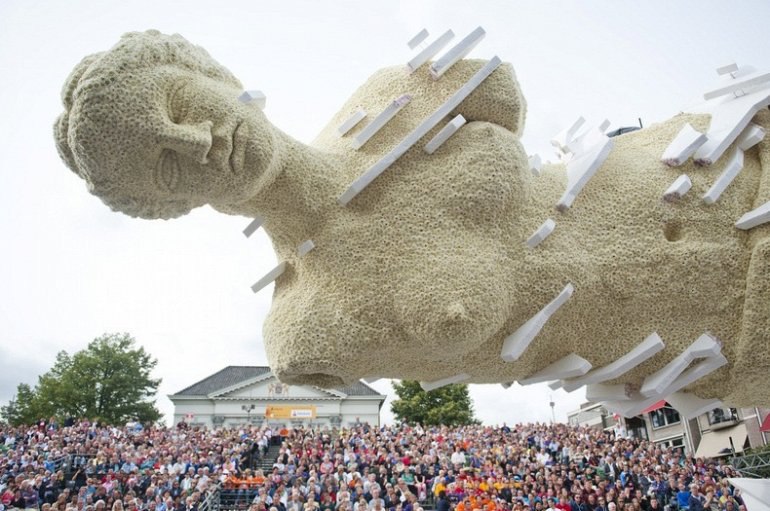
x,y
233,375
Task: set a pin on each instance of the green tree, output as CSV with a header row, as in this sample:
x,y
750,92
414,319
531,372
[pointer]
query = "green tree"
x,y
109,380
449,405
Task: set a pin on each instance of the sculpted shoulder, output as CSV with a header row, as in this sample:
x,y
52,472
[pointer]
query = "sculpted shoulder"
x,y
497,100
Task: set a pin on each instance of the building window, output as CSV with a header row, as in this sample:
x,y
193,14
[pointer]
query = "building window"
x,y
676,443
663,417
718,415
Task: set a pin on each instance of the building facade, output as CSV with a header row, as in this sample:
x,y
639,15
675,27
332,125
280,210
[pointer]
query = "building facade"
x,y
239,395
717,433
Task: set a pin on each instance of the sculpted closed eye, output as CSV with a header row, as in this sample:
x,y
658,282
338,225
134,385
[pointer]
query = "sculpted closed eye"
x,y
177,106
167,171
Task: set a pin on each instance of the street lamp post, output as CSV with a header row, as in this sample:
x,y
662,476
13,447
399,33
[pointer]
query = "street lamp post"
x,y
248,409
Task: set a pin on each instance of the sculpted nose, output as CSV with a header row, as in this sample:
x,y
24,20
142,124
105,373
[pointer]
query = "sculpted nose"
x,y
191,140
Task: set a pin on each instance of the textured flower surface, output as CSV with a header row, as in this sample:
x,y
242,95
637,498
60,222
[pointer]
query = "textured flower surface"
x,y
426,271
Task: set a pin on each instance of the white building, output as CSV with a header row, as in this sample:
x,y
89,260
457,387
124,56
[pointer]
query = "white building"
x,y
238,395
716,433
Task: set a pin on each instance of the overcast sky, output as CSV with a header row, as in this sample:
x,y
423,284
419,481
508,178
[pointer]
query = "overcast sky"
x,y
72,270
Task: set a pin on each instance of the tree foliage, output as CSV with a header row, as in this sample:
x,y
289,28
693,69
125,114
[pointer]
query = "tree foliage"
x,y
109,380
449,405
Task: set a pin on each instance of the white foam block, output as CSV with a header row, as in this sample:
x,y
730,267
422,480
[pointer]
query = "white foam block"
x,y
441,112
254,96
535,164
253,226
581,169
269,277
750,137
728,120
704,346
631,407
351,122
542,232
678,188
588,139
690,406
686,142
731,171
754,217
428,53
381,120
562,140
597,392
555,385
417,39
305,247
755,492
567,367
427,386
444,134
642,352
516,344
457,52
729,68
739,84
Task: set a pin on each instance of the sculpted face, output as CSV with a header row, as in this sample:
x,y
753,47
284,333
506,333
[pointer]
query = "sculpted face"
x,y
156,140
192,141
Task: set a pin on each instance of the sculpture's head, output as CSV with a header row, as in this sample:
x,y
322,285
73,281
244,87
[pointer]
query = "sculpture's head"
x,y
155,128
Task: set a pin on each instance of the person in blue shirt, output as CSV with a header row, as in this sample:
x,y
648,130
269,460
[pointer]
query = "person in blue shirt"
x,y
683,498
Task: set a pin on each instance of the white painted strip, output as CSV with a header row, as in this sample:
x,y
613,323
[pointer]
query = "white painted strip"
x,y
738,84
642,352
678,188
427,386
305,247
516,344
381,120
269,277
443,135
729,68
686,142
750,137
460,50
254,96
542,232
731,171
428,53
690,406
535,164
417,39
351,122
754,217
580,170
704,346
253,226
567,367
444,110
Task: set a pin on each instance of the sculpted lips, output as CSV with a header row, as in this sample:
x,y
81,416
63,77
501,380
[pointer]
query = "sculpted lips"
x,y
238,149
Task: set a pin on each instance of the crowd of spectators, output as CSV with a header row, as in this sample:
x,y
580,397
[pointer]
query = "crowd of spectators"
x,y
528,467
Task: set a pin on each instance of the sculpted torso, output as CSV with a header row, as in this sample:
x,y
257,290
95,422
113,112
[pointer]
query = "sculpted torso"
x,y
425,273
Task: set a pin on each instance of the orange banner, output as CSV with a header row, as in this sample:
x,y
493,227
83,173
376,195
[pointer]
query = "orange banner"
x,y
290,412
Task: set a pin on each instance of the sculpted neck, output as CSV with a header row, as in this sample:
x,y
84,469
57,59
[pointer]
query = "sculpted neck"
x,y
297,195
